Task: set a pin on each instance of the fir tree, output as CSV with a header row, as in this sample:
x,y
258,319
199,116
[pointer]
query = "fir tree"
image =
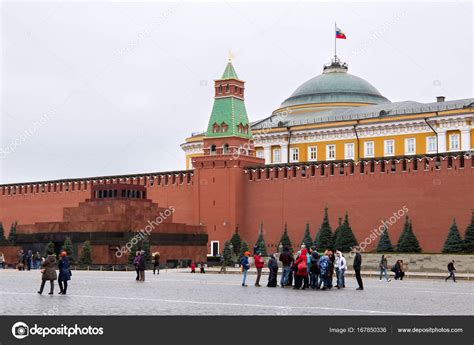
x,y
133,250
227,254
453,243
408,243
384,245
345,239
285,239
145,246
324,238
2,233
50,249
236,241
86,254
260,244
338,229
243,248
468,243
307,240
12,233
69,249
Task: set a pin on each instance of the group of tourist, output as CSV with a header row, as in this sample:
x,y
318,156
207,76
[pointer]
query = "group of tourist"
x,y
308,269
25,261
48,272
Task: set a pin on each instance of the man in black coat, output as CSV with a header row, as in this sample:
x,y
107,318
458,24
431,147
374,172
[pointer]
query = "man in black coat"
x,y
357,265
451,270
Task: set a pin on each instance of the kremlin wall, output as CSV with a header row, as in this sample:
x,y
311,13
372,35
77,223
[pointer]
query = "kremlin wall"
x,y
229,184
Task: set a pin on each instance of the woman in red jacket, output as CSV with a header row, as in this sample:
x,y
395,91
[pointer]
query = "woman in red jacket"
x,y
258,265
302,273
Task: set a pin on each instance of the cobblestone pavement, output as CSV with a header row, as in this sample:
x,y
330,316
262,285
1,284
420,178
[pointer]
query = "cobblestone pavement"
x,y
173,293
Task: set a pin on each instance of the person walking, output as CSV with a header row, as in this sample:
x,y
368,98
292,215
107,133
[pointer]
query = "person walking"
x,y
357,266
451,270
401,270
383,265
193,267
286,259
142,266
48,273
324,271
29,259
301,276
136,261
314,270
201,267
245,266
273,267
37,260
259,266
341,269
21,261
156,263
64,272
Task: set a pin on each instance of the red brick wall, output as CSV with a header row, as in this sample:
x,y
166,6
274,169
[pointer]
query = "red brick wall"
x,y
432,197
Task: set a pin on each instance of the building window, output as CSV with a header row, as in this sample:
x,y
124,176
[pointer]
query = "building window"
x,y
294,154
349,151
213,150
431,144
260,153
454,142
389,147
330,152
276,156
410,146
369,149
312,153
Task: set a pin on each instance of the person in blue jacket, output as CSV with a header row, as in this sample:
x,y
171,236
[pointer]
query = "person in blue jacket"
x,y
244,262
64,272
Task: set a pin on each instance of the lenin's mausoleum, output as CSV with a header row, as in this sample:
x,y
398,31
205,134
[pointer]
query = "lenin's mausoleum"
x,y
336,142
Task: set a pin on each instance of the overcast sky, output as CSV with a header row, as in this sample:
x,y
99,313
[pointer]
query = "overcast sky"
x,y
106,88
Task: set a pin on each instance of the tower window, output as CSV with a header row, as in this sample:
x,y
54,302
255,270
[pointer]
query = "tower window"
x,y
213,150
215,128
225,149
220,88
227,88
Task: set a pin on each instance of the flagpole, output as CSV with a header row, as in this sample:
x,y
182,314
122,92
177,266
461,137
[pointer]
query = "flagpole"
x,y
335,54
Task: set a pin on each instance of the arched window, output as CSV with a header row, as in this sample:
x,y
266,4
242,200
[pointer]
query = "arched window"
x,y
225,149
227,88
215,128
213,150
224,127
220,88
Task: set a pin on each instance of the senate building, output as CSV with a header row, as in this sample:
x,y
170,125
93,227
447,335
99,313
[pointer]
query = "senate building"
x,y
335,143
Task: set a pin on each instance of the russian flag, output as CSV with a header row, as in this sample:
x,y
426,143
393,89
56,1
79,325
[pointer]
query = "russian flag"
x,y
340,34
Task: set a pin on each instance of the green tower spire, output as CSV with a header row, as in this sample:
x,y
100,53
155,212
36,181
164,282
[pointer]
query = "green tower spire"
x,y
229,116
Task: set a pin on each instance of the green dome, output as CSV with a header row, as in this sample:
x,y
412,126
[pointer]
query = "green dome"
x,y
335,85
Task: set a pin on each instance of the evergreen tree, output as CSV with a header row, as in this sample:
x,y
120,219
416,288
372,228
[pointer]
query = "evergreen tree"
x,y
384,245
285,239
307,240
12,234
145,246
338,229
69,249
345,239
453,243
2,233
243,248
50,249
468,243
324,238
236,241
133,250
227,254
408,243
260,244
86,254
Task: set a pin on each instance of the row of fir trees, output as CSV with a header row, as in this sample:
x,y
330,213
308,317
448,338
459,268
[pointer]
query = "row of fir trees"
x,y
343,239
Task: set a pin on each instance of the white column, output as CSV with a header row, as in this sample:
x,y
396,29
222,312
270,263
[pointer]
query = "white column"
x,y
465,139
284,153
267,153
441,141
